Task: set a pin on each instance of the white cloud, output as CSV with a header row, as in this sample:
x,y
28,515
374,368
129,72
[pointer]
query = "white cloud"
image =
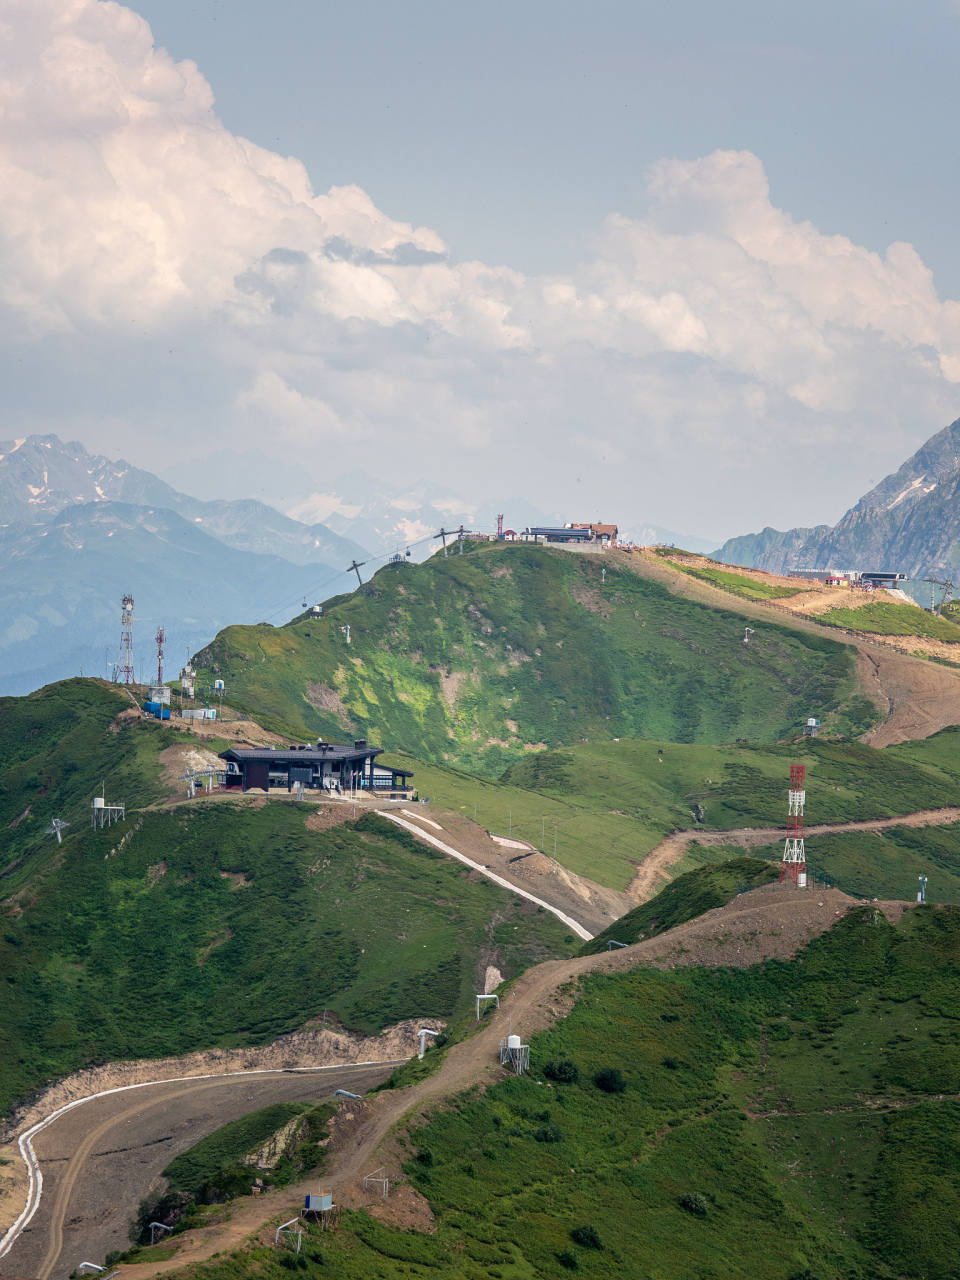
x,y
699,354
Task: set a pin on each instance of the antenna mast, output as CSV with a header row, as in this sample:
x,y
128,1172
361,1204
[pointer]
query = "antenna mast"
x,y
500,528
794,858
125,673
161,637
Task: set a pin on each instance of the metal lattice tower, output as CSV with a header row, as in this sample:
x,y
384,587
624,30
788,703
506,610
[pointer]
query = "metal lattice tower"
x,y
794,858
125,672
161,638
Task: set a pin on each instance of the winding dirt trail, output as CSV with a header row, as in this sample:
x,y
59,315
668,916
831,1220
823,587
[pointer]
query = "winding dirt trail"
x,y
645,884
771,922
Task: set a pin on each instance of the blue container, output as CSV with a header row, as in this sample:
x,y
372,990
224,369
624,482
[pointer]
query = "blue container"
x,y
318,1204
157,710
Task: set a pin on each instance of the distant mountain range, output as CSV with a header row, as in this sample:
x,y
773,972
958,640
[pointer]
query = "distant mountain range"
x,y
78,531
387,517
909,523
381,516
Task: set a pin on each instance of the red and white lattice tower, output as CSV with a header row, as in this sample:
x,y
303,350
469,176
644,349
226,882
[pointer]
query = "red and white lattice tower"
x,y
161,640
124,672
794,859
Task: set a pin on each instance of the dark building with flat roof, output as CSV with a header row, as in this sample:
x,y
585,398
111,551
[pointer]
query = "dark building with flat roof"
x,y
329,766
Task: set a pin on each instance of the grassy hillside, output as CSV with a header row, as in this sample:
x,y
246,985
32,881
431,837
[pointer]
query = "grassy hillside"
x,y
688,896
603,806
886,618
475,659
57,747
221,923
739,584
778,1123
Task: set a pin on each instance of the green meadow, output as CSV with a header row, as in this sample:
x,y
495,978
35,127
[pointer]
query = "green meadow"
x,y
887,618
738,584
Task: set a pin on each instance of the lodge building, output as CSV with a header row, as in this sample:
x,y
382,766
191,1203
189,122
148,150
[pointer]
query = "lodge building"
x,y
328,766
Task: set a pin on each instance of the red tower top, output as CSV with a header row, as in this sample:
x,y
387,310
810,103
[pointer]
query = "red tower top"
x,y
797,773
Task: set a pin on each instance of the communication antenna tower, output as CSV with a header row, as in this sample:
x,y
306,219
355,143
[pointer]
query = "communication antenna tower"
x,y
161,638
794,858
500,528
125,673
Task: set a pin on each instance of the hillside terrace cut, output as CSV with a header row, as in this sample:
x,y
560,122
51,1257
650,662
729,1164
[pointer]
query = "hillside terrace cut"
x,y
329,766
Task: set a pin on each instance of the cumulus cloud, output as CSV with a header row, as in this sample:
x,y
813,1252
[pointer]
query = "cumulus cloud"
x,y
698,353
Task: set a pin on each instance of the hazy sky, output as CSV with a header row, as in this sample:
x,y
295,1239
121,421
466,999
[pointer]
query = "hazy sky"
x,y
680,263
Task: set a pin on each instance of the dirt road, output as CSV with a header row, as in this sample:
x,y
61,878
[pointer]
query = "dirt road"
x,y
773,921
101,1158
647,882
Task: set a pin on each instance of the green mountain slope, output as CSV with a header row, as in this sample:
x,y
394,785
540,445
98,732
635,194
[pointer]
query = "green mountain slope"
x,y
217,923
474,659
783,1122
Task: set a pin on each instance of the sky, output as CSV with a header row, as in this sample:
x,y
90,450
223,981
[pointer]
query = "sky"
x,y
689,264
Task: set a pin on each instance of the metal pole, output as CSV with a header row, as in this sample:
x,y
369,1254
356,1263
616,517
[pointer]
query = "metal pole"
x,y
510,829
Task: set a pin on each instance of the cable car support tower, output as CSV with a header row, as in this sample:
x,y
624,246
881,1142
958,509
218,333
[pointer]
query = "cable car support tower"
x,y
794,858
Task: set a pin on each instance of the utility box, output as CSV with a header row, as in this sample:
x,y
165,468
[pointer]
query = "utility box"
x,y
319,1204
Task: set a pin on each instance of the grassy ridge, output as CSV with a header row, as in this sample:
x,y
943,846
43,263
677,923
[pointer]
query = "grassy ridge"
x,y
348,919
772,1123
685,898
475,659
193,1169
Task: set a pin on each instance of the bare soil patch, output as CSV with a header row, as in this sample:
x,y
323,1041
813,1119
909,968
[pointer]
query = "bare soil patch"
x,y
325,698
326,816
591,904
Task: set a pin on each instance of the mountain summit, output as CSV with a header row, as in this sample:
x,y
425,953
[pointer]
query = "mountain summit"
x,y
910,522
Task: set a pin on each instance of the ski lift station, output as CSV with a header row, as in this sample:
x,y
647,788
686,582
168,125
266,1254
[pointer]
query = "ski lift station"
x,y
329,766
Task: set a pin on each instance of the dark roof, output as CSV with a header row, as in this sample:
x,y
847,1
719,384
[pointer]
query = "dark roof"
x,y
329,751
567,535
